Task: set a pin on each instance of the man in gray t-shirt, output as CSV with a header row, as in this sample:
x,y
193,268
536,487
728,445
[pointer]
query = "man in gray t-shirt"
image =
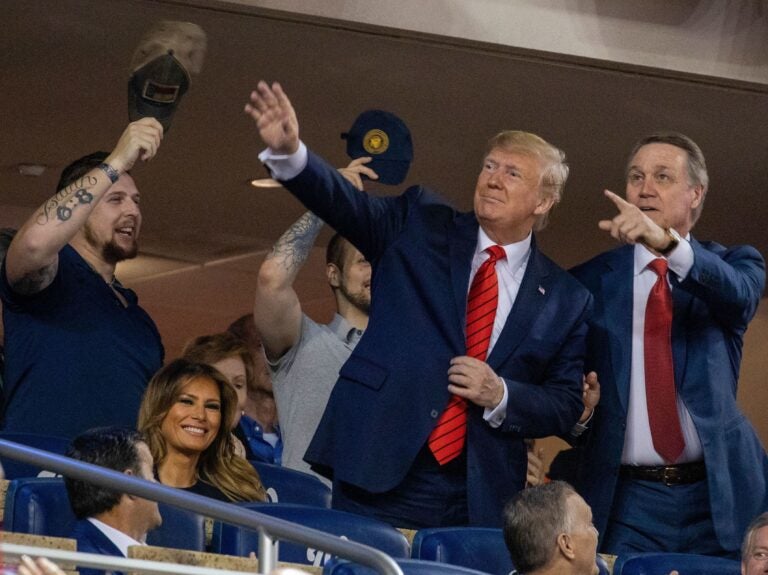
x,y
304,356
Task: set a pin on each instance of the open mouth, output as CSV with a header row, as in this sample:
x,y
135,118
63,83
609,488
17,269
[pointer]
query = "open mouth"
x,y
198,431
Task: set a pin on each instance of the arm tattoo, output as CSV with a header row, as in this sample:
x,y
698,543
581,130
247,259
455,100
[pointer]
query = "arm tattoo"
x,y
61,205
36,281
293,247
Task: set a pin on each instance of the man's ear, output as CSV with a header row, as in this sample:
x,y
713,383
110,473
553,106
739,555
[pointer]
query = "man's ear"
x,y
565,545
333,273
128,495
698,196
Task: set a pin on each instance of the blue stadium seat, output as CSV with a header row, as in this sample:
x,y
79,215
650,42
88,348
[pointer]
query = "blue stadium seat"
x,y
41,506
409,567
285,485
684,563
17,469
181,529
473,547
232,540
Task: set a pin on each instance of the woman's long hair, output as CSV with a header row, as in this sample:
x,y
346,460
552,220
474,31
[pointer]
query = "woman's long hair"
x,y
218,464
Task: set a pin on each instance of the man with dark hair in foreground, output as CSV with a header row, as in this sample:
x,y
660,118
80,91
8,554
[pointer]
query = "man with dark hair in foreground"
x,y
110,522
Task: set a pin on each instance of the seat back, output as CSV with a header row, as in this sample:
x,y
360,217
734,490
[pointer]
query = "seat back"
x,y
232,540
285,485
409,567
181,529
17,469
684,563
39,506
473,547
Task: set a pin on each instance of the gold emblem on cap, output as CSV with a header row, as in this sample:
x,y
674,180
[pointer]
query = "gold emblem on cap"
x,y
375,141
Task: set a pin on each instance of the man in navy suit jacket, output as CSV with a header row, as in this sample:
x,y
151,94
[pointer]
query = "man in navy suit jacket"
x,y
395,386
703,499
110,522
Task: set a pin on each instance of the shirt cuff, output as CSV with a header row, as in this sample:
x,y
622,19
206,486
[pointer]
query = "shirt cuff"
x,y
680,260
579,428
285,166
495,417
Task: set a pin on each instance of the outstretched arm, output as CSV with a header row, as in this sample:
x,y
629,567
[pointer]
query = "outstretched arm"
x,y
32,258
277,311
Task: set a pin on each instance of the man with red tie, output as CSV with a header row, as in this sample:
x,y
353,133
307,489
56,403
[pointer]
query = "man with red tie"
x,y
669,462
475,339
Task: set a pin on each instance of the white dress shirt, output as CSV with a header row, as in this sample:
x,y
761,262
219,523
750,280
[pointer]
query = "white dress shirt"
x,y
638,444
120,539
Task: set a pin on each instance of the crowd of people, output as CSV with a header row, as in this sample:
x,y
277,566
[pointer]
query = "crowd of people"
x,y
456,341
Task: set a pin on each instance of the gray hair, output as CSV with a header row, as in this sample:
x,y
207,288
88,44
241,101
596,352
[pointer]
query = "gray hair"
x,y
749,537
533,520
697,166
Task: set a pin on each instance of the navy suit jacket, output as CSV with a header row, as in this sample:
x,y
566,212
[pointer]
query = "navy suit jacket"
x,y
712,307
91,540
393,388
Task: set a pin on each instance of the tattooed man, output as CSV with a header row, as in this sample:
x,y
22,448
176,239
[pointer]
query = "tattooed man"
x,y
305,356
79,349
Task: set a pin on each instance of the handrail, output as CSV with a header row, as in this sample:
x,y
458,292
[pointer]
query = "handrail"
x,y
111,563
267,526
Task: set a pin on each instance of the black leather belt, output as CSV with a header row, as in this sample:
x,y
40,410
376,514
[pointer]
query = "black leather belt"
x,y
680,474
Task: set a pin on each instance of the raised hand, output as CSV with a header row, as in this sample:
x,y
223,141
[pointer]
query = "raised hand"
x,y
141,139
354,171
275,118
632,226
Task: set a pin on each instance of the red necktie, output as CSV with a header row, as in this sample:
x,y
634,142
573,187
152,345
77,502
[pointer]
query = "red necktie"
x,y
660,394
447,438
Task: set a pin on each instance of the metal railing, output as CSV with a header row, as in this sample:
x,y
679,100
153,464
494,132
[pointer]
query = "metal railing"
x,y
269,528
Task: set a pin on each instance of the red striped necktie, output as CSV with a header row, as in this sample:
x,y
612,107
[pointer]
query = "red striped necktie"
x,y
449,435
660,393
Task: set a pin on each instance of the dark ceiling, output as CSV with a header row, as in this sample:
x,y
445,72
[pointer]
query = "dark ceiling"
x,y
63,74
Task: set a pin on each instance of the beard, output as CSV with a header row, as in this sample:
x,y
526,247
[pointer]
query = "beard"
x,y
111,251
360,299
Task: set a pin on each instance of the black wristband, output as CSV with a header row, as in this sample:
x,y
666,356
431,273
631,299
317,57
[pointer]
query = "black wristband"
x,y
111,172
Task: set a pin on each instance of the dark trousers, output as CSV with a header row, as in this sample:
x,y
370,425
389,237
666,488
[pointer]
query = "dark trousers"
x,y
651,516
431,495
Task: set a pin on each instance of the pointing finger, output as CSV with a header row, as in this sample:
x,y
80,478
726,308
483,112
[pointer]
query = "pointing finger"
x,y
618,201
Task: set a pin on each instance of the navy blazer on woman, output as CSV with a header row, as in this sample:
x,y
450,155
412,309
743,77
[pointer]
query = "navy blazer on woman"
x,y
393,388
712,307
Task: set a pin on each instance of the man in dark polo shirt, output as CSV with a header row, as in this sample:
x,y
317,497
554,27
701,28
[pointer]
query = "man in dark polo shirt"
x,y
78,348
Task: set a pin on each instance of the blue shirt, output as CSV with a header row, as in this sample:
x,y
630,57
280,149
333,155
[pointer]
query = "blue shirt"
x,y
257,447
75,357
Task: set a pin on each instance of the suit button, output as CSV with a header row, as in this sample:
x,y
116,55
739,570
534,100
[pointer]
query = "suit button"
x,y
434,414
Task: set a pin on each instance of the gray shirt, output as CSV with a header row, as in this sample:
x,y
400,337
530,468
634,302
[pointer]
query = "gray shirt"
x,y
303,379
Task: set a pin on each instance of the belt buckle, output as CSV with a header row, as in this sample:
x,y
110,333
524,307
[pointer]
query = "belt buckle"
x,y
670,476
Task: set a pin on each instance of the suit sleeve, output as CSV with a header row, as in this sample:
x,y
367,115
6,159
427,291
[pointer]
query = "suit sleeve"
x,y
730,282
370,223
552,405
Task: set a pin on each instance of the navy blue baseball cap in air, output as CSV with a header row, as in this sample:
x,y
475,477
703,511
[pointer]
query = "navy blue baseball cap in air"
x,y
386,139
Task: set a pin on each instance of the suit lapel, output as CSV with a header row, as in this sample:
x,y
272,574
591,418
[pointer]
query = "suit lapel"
x,y
528,304
681,303
617,317
462,248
